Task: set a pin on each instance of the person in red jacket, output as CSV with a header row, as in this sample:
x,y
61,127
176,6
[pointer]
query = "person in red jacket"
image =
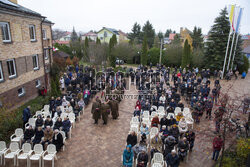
x,y
217,145
155,121
138,104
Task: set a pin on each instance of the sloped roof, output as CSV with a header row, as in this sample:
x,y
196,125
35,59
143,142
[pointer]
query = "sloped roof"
x,y
171,36
246,50
90,34
122,33
18,8
112,30
60,54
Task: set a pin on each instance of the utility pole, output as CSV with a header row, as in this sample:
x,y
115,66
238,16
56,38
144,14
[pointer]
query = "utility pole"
x,y
161,51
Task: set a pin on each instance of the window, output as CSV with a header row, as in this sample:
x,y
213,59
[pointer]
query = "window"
x,y
46,53
38,83
44,34
5,28
32,33
20,92
35,62
11,68
1,72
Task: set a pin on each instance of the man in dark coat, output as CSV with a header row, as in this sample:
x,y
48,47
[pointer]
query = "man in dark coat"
x,y
96,110
57,140
172,159
114,105
105,112
26,115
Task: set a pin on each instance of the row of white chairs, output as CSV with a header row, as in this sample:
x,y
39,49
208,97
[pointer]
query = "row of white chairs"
x,y
26,153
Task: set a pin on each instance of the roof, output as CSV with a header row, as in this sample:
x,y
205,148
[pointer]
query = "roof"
x,y
60,54
245,37
246,50
114,31
18,8
90,34
171,36
48,21
246,43
61,42
122,33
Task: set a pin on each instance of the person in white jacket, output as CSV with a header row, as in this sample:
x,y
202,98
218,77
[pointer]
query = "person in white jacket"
x,y
62,83
163,99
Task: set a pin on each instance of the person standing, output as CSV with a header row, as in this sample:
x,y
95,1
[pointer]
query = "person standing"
x,y
217,145
26,115
104,111
114,108
96,110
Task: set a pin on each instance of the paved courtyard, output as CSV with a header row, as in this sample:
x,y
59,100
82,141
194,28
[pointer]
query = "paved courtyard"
x,y
98,145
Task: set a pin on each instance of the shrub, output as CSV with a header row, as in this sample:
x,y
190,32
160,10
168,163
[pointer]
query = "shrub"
x,y
245,65
10,120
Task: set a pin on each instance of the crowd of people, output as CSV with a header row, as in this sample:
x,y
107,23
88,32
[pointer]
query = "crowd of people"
x,y
158,88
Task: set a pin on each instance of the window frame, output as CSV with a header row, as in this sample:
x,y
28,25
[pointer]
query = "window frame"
x,y
9,33
46,53
34,32
1,72
39,83
14,67
44,34
37,62
21,94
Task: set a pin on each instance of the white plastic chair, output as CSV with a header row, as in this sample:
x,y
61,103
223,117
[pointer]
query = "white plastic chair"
x,y
45,114
153,114
186,111
158,158
12,152
64,138
17,136
3,150
37,154
145,114
183,127
45,108
154,107
32,122
37,113
134,128
72,119
153,132
177,110
135,120
156,165
25,153
63,115
190,121
161,108
51,154
170,114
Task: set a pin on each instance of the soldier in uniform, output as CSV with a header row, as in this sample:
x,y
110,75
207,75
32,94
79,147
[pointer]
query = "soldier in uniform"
x,y
114,105
96,110
105,112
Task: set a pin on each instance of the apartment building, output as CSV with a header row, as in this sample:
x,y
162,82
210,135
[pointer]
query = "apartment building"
x,y
25,53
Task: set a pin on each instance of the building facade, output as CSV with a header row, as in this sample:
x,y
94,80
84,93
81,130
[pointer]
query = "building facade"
x,y
25,53
105,34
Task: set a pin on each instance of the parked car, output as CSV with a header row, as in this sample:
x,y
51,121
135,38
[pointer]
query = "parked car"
x,y
119,62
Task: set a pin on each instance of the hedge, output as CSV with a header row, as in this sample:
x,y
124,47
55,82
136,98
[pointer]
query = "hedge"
x,y
10,120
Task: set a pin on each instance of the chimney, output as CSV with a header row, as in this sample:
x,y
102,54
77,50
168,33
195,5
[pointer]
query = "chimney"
x,y
13,1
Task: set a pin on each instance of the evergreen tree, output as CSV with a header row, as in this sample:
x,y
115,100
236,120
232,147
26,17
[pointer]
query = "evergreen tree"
x,y
157,43
168,32
112,57
149,32
86,48
177,40
186,57
144,51
217,42
98,41
74,35
197,38
135,34
160,35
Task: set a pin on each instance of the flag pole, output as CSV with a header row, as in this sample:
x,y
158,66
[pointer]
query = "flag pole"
x,y
235,49
232,45
229,36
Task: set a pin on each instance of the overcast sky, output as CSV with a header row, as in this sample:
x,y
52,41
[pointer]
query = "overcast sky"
x,y
87,15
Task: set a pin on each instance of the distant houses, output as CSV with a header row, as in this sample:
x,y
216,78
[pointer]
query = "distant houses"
x,y
90,35
106,33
